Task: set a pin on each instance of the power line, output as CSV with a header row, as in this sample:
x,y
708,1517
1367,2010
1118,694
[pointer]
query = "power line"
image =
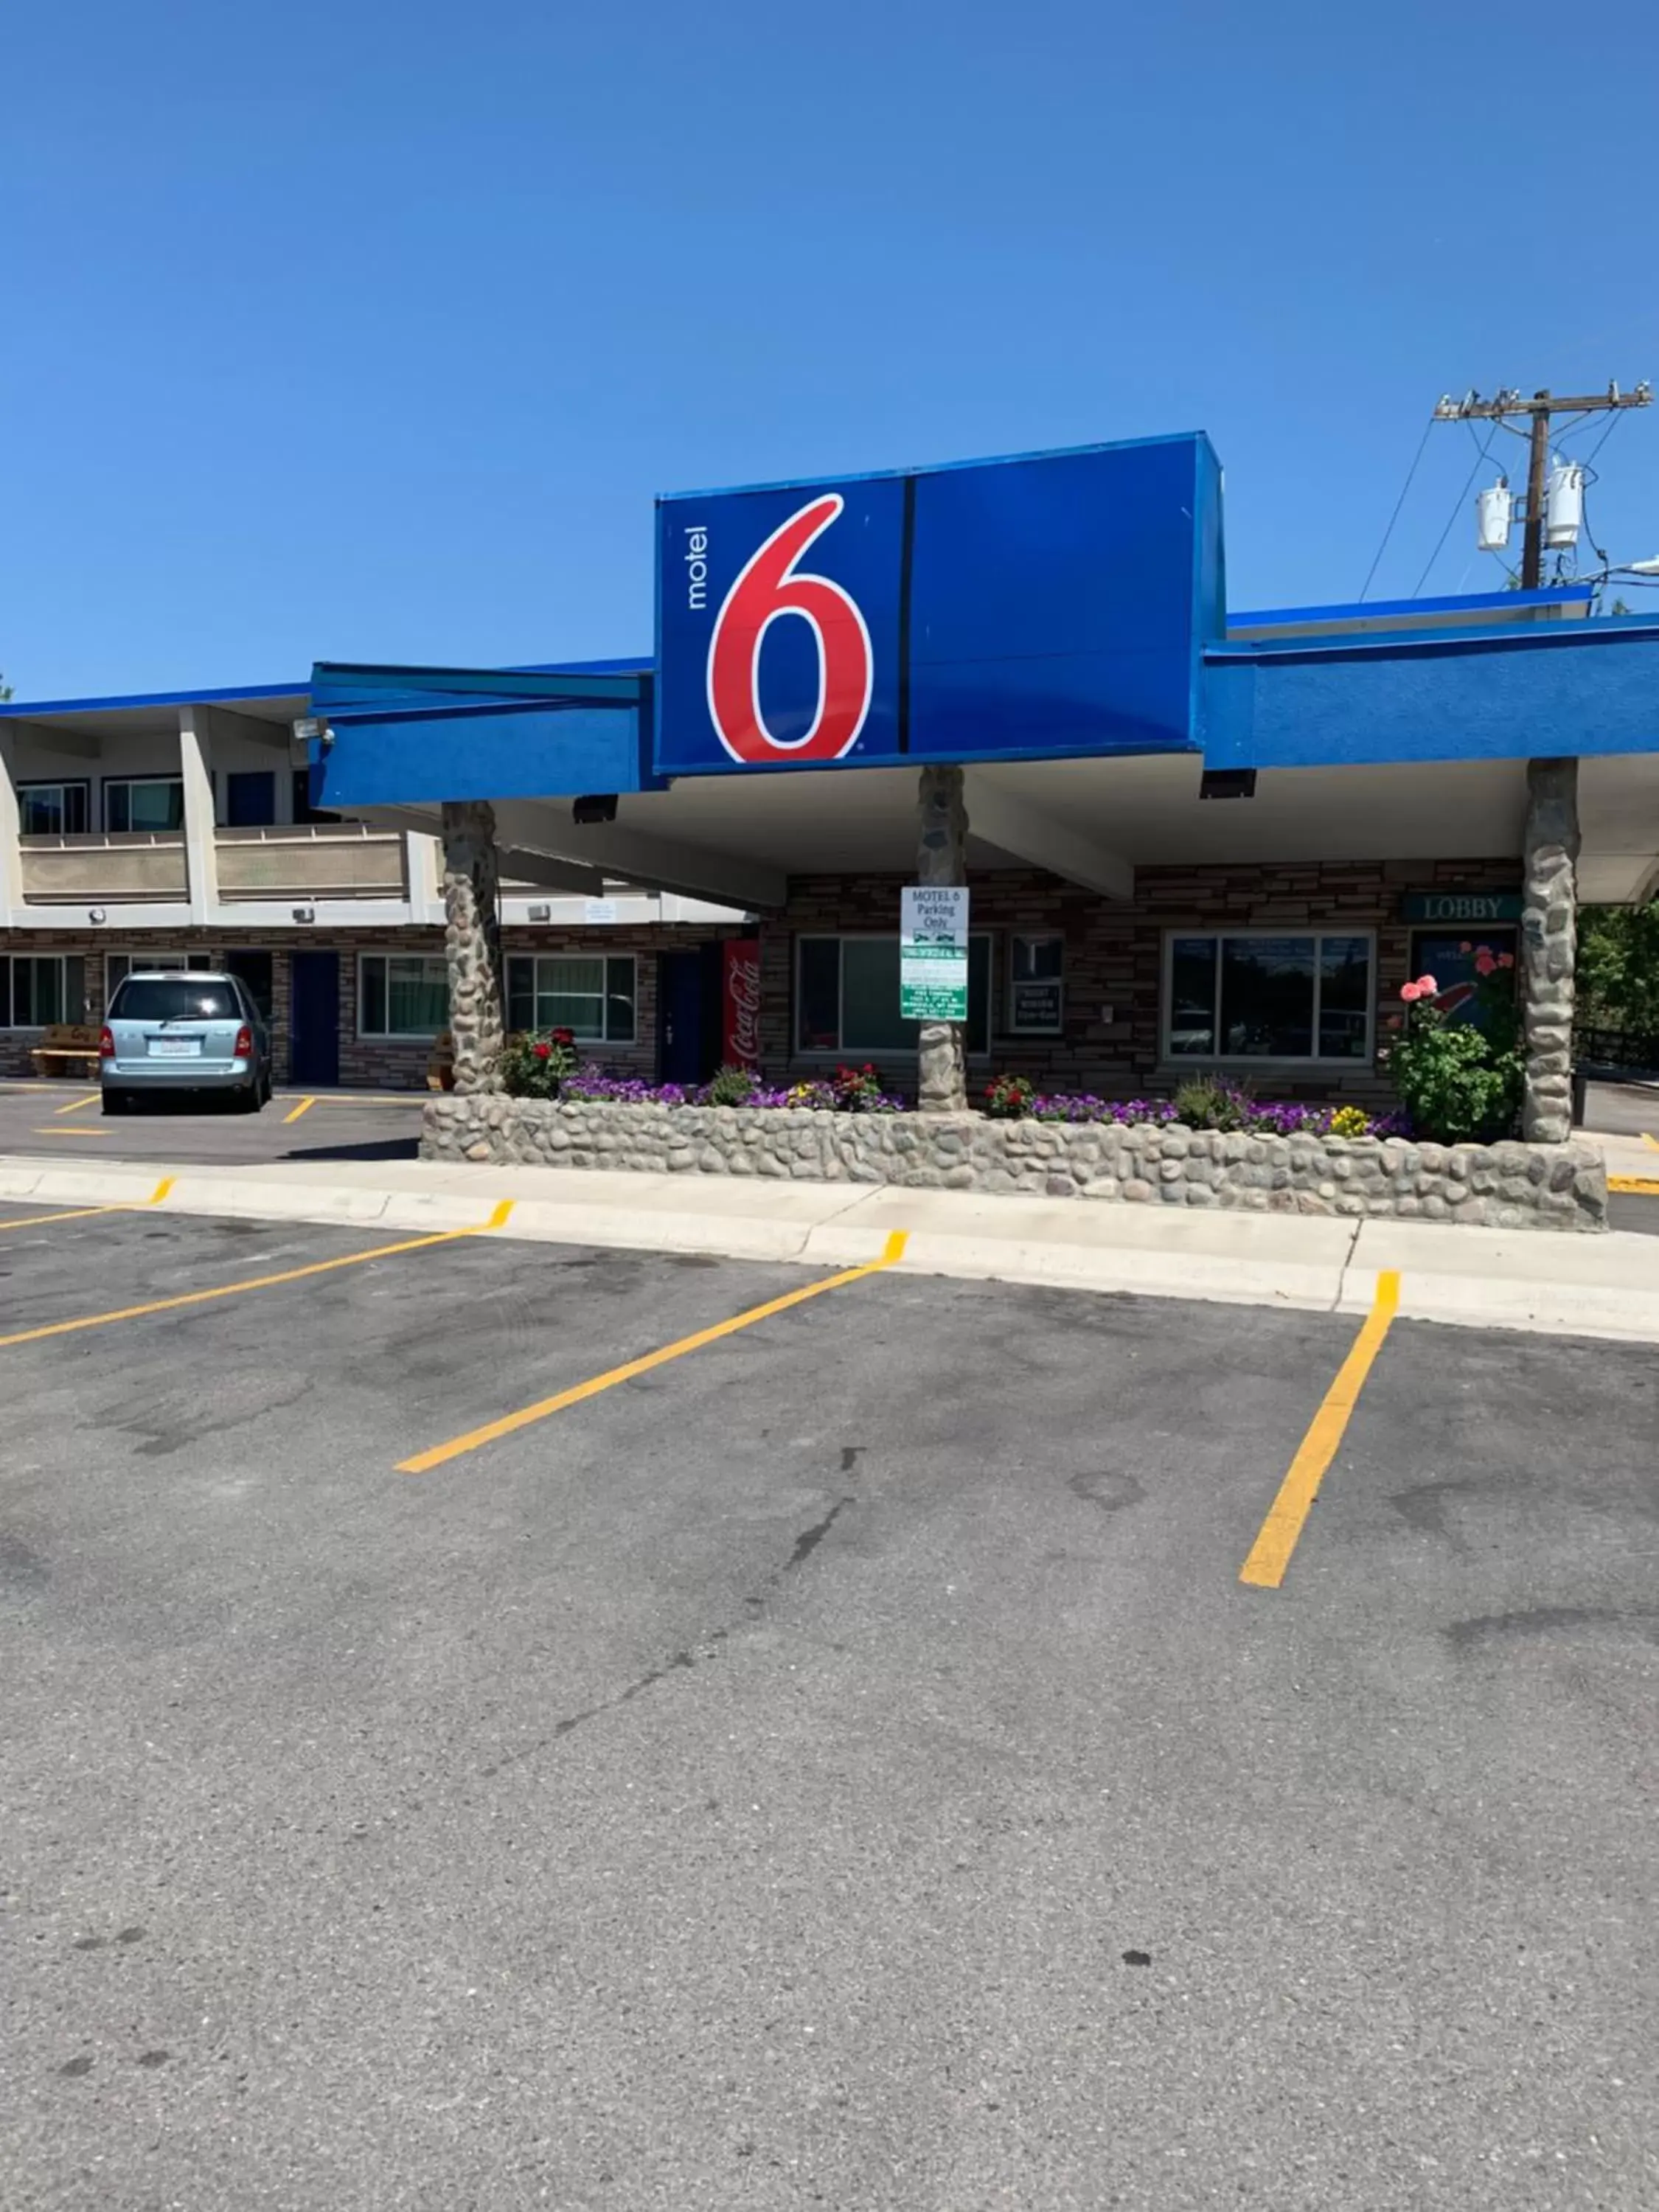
x,y
1457,507
1398,504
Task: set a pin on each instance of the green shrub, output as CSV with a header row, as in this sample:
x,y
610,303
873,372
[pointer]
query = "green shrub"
x,y
1008,1098
730,1086
1461,1081
1205,1101
537,1064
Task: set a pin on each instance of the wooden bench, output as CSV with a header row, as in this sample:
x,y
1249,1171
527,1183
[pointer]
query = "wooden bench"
x,y
67,1049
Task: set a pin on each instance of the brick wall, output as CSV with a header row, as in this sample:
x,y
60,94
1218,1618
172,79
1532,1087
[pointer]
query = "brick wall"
x,y
1114,958
374,1063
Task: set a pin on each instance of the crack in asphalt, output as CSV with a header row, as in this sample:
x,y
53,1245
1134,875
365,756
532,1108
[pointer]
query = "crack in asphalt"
x,y
681,1662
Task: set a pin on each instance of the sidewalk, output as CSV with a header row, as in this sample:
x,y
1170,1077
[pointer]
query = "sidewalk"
x,y
1478,1277
1632,1162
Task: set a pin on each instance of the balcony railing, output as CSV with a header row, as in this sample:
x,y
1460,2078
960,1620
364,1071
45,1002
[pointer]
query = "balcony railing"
x,y
323,859
70,871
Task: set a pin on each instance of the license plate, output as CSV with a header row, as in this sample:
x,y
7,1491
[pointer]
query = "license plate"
x,y
174,1047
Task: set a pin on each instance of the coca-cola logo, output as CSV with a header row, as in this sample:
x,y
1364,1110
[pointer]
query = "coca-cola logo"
x,y
742,1003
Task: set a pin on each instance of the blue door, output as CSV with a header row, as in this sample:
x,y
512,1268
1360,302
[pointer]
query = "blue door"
x,y
313,1021
680,996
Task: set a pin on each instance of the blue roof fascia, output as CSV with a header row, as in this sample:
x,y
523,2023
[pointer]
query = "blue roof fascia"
x,y
353,692
1548,595
222,697
1585,688
402,735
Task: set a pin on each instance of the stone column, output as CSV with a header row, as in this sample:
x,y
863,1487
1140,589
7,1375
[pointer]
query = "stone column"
x,y
1549,944
472,940
942,858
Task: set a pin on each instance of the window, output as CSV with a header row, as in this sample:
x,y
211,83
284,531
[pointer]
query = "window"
x,y
403,994
174,998
118,964
1261,996
53,810
846,996
1036,1002
135,804
590,993
39,987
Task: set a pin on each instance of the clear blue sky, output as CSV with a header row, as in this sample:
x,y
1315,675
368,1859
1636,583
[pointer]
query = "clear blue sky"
x,y
368,330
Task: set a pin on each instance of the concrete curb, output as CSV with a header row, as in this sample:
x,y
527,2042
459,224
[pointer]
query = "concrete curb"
x,y
1606,1286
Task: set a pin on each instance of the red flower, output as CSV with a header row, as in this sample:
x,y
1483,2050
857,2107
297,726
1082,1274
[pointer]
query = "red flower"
x,y
564,1036
543,1051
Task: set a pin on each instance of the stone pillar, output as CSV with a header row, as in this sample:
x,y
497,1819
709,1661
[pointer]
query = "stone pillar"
x,y
942,858
472,940
1549,946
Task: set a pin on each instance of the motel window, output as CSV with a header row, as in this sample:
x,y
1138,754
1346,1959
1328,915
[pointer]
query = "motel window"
x,y
118,964
1036,1002
135,804
591,994
401,995
37,988
1261,995
53,810
846,996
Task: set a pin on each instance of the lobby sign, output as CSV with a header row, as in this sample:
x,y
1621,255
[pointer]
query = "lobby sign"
x,y
933,952
1470,907
1051,604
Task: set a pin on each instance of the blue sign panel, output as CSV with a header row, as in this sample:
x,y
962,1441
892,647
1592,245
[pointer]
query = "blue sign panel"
x,y
1048,604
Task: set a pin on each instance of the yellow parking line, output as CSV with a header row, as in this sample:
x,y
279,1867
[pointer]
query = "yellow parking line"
x,y
74,1133
86,1212
1647,1138
423,1462
1641,1186
255,1282
1270,1554
79,1105
304,1107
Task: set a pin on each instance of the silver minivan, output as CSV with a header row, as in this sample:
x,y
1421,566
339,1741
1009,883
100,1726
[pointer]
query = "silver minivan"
x,y
180,1030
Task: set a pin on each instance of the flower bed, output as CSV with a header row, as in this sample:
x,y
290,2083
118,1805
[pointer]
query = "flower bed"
x,y
857,1091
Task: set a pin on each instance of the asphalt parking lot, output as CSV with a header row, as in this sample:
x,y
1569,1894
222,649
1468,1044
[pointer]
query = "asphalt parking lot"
x,y
64,1120
839,1765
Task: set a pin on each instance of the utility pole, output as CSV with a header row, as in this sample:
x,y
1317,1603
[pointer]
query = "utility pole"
x,y
1541,407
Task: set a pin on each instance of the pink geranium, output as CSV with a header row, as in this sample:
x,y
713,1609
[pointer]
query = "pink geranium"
x,y
1411,992
1427,988
1506,960
1484,964
1466,946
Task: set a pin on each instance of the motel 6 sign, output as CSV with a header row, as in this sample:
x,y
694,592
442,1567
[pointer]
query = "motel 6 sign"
x,y
1049,604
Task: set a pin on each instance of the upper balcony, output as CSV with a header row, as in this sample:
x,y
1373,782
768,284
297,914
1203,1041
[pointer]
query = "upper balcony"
x,y
313,860
118,870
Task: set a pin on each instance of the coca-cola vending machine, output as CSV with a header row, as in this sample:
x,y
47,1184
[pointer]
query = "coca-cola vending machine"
x,y
740,1040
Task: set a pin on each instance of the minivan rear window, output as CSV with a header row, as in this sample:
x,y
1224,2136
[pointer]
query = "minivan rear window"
x,y
174,998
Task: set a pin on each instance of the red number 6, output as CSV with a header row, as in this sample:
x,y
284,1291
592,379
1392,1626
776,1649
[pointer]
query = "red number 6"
x,y
769,586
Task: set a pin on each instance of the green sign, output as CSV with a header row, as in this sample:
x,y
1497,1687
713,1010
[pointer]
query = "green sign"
x,y
1453,909
933,952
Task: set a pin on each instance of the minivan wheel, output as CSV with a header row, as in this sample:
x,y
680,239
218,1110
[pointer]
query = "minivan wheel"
x,y
116,1101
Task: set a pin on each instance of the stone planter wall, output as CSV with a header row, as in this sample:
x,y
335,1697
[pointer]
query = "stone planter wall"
x,y
1512,1186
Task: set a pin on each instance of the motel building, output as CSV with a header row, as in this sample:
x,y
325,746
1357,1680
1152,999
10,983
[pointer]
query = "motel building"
x,y
1192,840
178,831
